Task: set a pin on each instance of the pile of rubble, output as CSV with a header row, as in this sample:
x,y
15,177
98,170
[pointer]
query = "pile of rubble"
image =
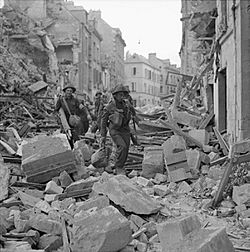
x,y
177,196
186,189
27,90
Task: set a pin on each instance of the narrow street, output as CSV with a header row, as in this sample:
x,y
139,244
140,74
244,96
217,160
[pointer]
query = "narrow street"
x,y
106,152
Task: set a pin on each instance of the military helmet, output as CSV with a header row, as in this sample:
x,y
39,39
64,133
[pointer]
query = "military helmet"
x,y
69,86
118,88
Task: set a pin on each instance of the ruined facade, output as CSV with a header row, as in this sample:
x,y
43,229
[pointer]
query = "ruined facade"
x,y
232,68
112,53
226,79
198,45
68,46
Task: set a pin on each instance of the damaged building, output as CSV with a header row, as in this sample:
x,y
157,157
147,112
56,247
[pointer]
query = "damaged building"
x,y
185,187
66,43
215,50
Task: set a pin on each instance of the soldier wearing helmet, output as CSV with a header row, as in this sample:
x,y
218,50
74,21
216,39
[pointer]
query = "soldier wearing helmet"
x,y
116,117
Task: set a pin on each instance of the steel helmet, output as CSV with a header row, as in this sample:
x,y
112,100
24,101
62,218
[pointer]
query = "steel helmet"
x,y
118,88
69,86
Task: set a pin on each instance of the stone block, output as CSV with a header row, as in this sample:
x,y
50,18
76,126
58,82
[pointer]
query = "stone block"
x,y
82,150
184,187
178,157
45,157
172,232
204,240
193,160
65,179
176,166
200,135
20,222
81,184
141,181
42,223
122,191
62,205
178,175
53,188
44,206
174,144
50,242
153,161
240,208
102,230
161,190
160,178
97,203
241,194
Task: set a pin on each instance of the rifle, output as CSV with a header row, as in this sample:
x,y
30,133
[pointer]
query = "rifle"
x,y
65,124
134,136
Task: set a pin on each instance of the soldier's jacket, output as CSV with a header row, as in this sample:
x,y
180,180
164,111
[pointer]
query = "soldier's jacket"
x,y
73,105
111,108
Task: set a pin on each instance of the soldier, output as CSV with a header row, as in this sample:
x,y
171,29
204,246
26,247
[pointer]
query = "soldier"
x,y
71,106
116,116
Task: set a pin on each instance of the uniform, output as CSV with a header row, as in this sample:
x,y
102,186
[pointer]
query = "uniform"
x,y
119,134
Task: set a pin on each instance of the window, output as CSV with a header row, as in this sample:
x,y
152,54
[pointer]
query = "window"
x,y
149,75
133,84
145,87
161,89
134,70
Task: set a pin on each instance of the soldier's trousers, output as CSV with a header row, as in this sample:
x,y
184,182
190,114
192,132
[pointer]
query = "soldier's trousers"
x,y
122,142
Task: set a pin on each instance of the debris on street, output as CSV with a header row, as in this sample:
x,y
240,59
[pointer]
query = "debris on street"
x,y
186,188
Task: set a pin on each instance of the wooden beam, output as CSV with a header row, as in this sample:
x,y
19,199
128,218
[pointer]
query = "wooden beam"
x,y
224,180
223,144
178,131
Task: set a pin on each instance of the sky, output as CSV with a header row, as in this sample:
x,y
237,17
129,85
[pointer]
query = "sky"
x,y
147,26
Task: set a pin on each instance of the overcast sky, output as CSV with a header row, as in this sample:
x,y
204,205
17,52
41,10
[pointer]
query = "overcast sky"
x,y
147,26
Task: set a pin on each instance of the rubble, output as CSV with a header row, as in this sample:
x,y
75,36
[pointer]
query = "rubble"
x,y
53,198
123,192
